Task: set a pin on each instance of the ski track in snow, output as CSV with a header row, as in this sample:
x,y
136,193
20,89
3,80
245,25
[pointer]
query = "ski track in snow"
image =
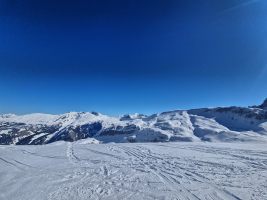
x,y
70,171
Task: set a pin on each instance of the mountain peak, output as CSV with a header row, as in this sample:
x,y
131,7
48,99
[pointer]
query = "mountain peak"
x,y
225,124
264,104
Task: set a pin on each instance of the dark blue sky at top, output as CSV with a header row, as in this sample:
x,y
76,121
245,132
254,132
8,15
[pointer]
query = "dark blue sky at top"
x,y
130,56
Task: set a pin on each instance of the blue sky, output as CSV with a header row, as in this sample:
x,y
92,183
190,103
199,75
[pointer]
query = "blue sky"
x,y
130,56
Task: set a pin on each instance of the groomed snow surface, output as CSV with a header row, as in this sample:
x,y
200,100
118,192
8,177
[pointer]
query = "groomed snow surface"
x,y
78,170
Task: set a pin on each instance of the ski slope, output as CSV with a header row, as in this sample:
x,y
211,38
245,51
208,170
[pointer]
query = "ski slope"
x,y
79,171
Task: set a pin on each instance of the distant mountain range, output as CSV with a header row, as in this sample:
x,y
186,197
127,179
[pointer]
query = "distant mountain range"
x,y
222,124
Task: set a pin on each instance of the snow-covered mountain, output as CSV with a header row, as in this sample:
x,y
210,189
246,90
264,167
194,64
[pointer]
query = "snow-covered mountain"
x,y
225,124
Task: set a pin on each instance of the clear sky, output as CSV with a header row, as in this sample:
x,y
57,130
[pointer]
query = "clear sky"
x,y
126,56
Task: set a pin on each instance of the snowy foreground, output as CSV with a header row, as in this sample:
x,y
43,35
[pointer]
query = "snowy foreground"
x,y
65,170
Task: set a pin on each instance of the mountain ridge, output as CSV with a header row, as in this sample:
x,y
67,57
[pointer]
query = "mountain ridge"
x,y
219,124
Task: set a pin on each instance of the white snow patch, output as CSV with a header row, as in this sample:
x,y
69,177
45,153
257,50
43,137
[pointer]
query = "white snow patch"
x,y
82,171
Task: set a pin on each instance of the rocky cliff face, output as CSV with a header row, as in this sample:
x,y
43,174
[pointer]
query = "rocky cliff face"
x,y
263,105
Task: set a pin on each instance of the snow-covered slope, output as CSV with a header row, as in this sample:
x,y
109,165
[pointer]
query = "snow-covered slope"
x,y
147,171
208,124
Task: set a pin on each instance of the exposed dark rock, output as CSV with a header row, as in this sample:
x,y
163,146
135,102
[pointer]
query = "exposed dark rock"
x,y
264,104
